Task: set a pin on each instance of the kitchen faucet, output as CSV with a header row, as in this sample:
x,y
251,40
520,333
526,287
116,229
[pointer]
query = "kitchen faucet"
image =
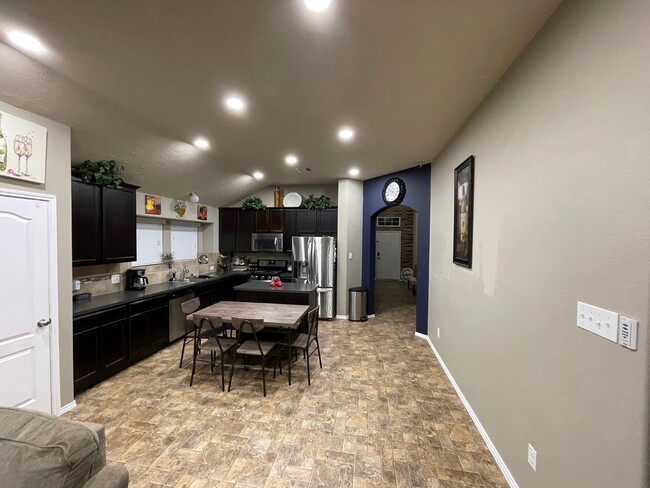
x,y
184,273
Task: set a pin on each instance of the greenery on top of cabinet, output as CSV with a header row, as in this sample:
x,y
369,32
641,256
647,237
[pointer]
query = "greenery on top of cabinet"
x,y
253,203
318,203
101,172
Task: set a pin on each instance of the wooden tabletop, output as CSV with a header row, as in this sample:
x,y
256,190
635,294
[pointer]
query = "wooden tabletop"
x,y
276,315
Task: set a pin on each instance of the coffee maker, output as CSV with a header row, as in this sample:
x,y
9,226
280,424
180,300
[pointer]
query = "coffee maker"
x,y
135,279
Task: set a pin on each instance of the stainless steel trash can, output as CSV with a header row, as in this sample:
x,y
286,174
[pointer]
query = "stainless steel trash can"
x,y
358,304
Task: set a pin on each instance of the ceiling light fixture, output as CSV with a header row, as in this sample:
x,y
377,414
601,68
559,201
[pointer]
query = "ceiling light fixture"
x,y
317,6
291,159
235,103
258,175
194,198
346,134
354,172
201,143
25,41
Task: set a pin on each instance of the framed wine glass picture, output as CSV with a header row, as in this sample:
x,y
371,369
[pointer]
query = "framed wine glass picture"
x,y
23,149
464,212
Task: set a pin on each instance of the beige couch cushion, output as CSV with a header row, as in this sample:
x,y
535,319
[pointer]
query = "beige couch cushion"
x,y
41,450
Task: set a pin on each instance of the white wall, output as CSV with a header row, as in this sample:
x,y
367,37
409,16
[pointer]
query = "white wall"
x,y
349,240
562,213
58,183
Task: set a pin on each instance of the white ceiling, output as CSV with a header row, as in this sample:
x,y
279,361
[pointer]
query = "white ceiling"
x,y
137,80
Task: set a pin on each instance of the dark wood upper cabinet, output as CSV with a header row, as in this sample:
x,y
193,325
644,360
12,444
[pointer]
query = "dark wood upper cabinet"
x,y
86,224
328,221
227,230
290,215
244,229
119,233
306,222
103,224
268,220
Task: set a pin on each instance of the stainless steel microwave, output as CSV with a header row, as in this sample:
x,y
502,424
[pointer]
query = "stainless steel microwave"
x,y
267,242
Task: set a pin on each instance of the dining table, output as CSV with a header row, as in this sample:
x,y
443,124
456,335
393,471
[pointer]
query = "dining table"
x,y
279,316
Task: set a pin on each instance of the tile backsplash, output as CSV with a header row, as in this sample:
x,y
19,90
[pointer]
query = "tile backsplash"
x,y
97,279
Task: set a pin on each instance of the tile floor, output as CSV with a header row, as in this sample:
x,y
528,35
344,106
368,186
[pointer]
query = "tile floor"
x,y
381,413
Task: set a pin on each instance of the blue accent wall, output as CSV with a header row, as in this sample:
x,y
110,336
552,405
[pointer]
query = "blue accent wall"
x,y
418,197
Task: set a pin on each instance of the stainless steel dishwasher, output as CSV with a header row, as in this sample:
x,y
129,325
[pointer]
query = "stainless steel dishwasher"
x,y
176,315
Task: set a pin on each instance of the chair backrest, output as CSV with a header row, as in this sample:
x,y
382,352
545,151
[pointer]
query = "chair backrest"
x,y
247,326
191,306
312,323
215,324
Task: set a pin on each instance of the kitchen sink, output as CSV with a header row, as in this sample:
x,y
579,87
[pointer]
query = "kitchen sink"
x,y
194,279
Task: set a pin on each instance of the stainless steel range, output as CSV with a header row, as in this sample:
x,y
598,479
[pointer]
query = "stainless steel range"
x,y
269,268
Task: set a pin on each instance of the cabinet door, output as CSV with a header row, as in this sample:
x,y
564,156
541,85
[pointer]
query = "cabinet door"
x,y
138,336
306,222
227,230
86,359
114,351
260,220
158,328
290,228
276,220
86,224
244,230
328,220
118,215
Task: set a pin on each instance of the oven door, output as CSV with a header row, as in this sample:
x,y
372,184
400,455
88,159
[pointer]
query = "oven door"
x,y
267,242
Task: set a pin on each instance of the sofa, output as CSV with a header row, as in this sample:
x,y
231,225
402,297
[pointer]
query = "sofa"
x,y
41,450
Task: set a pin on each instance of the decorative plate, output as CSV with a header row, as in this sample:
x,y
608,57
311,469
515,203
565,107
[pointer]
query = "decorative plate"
x,y
292,200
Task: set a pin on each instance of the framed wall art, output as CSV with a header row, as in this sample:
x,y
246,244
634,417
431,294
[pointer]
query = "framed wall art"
x,y
23,149
152,205
202,212
464,212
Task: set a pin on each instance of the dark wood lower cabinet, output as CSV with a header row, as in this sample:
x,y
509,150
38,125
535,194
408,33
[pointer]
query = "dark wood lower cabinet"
x,y
148,327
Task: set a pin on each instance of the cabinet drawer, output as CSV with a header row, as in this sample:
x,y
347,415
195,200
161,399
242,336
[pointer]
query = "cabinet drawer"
x,y
96,319
148,304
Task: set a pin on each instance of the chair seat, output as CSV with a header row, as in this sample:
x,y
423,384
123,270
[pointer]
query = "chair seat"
x,y
212,345
301,341
250,348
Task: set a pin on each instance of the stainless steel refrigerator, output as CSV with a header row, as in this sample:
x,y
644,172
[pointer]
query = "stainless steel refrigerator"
x,y
313,262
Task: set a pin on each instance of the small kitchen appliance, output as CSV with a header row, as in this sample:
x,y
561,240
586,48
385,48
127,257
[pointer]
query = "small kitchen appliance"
x,y
267,242
135,279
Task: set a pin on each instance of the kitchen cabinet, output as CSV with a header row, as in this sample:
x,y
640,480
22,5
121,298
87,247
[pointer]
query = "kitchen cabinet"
x,y
148,327
269,220
212,293
228,230
103,223
243,230
306,222
99,344
317,222
290,228
328,221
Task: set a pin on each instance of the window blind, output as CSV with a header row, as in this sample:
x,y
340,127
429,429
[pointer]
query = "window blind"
x,y
184,242
149,238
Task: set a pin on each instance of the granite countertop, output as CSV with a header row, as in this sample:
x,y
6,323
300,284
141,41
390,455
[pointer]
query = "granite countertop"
x,y
262,286
102,302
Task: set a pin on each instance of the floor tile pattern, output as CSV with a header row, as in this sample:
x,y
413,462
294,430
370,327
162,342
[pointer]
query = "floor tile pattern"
x,y
381,413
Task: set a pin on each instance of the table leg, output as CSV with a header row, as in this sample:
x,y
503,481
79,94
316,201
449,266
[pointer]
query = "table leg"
x,y
289,349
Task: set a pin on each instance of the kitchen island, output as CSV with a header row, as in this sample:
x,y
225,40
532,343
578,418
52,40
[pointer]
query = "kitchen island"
x,y
289,293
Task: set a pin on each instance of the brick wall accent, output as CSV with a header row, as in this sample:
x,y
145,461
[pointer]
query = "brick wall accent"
x,y
406,228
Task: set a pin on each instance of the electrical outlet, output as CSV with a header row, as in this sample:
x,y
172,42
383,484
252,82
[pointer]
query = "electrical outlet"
x,y
628,335
76,285
212,267
350,256
438,332
598,320
115,279
532,457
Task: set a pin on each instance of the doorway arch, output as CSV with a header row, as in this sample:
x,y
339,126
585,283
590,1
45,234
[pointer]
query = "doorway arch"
x,y
418,198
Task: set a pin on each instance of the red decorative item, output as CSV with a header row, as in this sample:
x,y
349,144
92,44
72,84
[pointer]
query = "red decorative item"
x,y
275,282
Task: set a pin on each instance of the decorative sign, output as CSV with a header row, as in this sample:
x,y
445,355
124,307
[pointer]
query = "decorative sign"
x,y
202,212
152,205
23,148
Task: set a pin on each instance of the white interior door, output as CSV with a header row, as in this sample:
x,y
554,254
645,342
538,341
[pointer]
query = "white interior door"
x,y
25,368
388,250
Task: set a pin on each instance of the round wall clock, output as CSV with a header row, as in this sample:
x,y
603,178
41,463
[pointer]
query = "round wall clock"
x,y
394,191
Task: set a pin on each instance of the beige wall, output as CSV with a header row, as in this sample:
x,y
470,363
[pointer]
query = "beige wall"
x,y
57,183
562,213
349,238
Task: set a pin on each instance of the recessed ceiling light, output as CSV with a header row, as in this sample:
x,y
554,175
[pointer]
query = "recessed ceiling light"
x,y
317,5
235,103
346,134
291,159
25,41
201,143
258,175
353,172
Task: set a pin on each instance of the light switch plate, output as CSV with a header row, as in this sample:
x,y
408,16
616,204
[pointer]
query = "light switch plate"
x,y
115,279
598,320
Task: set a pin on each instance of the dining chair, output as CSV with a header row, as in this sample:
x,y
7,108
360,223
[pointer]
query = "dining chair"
x,y
304,341
188,308
253,347
216,344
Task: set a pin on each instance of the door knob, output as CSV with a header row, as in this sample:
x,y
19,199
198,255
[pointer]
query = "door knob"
x,y
44,322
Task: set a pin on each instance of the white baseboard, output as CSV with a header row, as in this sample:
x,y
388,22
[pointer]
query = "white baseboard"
x,y
497,457
68,407
342,317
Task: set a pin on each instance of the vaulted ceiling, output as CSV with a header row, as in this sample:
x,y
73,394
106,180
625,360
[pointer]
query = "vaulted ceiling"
x,y
138,80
